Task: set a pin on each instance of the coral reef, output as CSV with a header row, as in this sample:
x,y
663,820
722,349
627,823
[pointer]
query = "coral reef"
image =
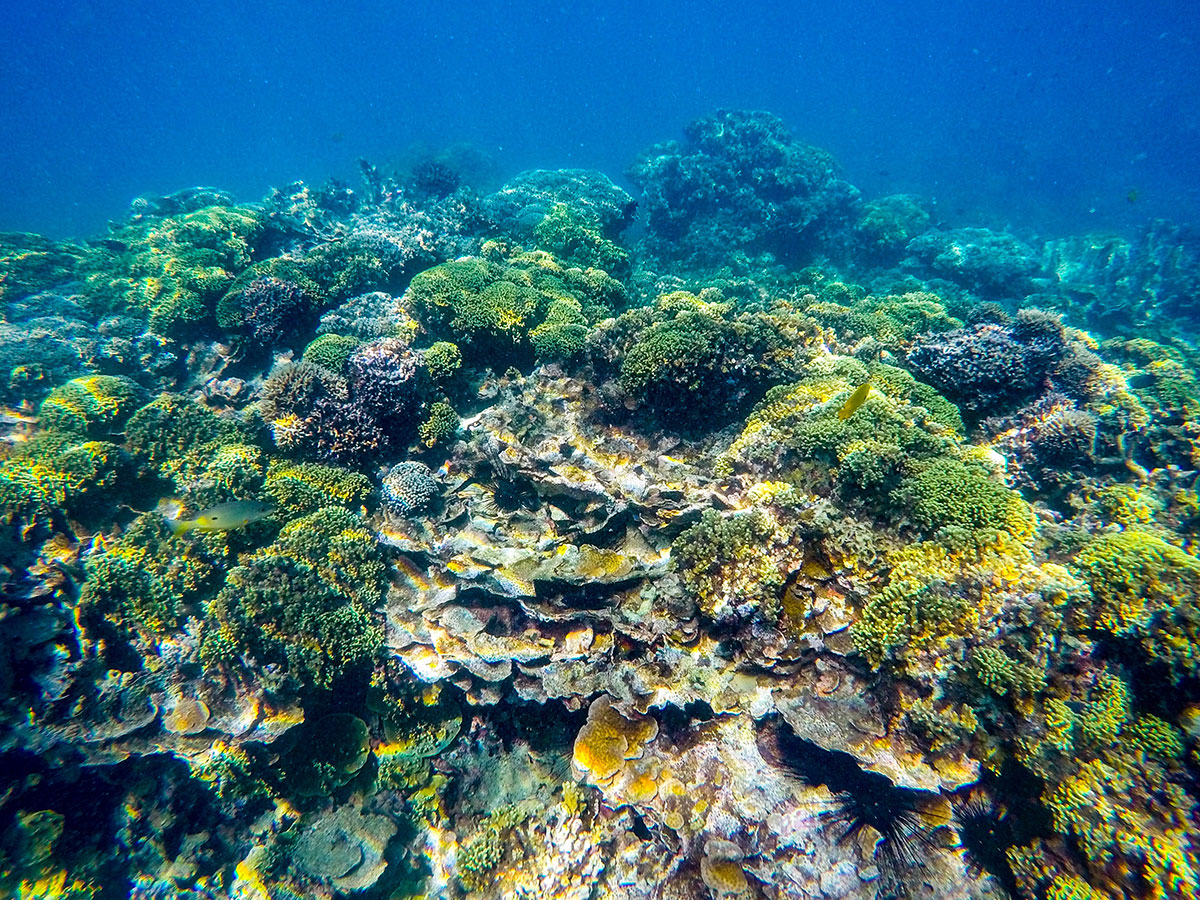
x,y
794,545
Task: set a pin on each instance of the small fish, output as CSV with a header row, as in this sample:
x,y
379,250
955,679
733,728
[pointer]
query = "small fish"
x,y
857,399
225,517
10,416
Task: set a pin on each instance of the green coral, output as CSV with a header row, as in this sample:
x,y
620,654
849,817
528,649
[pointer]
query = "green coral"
x,y
443,360
146,580
491,308
1107,712
325,754
93,469
1125,504
1156,738
577,239
901,385
946,493
892,320
480,854
308,601
231,773
94,406
688,353
173,269
561,334
1144,588
1001,674
727,566
31,503
867,455
440,424
332,351
174,436
1072,887
303,488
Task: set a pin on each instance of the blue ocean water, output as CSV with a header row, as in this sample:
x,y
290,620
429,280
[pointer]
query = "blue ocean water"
x,y
1054,118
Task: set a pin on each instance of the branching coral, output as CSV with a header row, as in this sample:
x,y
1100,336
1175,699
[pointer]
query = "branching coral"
x,y
690,350
94,406
174,269
307,602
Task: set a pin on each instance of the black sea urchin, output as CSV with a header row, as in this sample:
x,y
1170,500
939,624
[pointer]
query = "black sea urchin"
x,y
861,798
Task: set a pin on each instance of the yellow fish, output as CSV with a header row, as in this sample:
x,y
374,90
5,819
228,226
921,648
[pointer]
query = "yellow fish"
x,y
857,399
225,517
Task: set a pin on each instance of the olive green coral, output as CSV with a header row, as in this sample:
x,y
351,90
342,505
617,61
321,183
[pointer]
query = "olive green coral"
x,y
173,269
308,601
725,563
443,360
945,492
576,239
332,351
491,308
173,434
440,424
94,406
146,580
302,488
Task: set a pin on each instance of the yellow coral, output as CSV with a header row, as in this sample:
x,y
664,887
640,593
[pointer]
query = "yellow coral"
x,y
608,739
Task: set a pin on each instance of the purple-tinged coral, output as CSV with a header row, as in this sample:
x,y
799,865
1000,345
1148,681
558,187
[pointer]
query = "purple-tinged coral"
x,y
1046,443
275,309
989,368
389,380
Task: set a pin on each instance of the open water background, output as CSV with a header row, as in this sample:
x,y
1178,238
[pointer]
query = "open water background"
x,y
1051,118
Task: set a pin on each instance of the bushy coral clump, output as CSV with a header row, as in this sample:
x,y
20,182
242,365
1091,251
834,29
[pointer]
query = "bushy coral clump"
x,y
901,427
30,263
440,425
174,269
332,351
690,352
307,602
443,361
173,435
891,320
728,564
1144,588
887,225
741,181
946,493
303,488
491,309
94,406
524,201
147,580
578,240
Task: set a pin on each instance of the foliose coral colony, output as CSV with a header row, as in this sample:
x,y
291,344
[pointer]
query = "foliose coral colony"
x,y
803,547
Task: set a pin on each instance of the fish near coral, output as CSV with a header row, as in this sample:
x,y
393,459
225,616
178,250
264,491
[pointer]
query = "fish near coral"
x,y
857,399
224,517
